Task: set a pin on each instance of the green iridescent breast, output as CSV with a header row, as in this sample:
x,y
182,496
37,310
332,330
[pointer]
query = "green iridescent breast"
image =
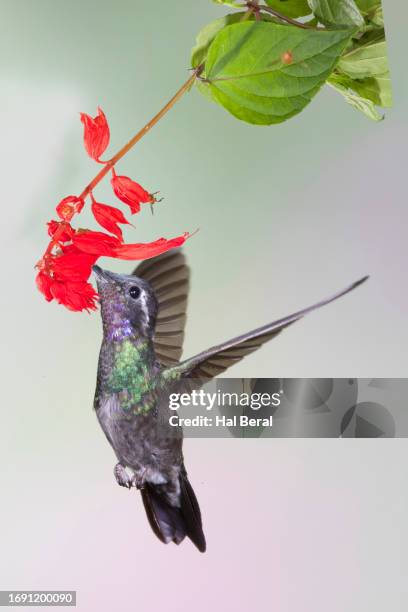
x,y
131,378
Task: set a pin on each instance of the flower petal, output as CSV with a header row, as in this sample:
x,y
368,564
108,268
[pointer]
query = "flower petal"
x,y
95,243
75,296
109,217
148,249
44,285
66,233
96,134
130,192
73,266
69,206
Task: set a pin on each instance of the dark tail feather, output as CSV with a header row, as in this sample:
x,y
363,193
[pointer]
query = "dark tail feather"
x,y
165,520
172,524
191,513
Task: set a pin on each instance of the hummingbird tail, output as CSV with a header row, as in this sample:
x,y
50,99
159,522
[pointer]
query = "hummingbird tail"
x,y
191,513
172,523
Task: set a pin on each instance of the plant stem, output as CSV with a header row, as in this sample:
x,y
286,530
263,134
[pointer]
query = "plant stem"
x,y
247,15
129,145
267,9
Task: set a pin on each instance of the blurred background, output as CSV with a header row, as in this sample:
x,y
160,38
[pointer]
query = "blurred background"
x,y
287,215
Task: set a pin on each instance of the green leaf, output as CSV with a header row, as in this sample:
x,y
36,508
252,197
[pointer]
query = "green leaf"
x,y
366,61
205,90
207,34
377,17
337,12
377,89
367,6
360,103
246,74
290,8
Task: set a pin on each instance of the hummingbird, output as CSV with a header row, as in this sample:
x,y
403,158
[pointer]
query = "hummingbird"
x,y
143,317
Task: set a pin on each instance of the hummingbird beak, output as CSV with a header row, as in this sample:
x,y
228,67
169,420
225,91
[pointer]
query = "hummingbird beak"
x,y
101,275
108,276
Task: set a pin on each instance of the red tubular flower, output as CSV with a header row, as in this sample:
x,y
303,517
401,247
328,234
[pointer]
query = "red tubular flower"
x,y
75,296
130,192
63,277
65,268
72,265
66,233
69,206
44,285
109,217
96,134
95,243
149,249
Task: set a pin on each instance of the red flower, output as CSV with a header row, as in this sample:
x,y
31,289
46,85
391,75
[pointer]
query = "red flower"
x,y
149,249
63,277
96,134
75,296
71,265
130,192
95,243
66,233
44,285
109,217
65,268
69,206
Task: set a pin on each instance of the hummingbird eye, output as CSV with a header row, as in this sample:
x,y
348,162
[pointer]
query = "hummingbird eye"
x,y
134,292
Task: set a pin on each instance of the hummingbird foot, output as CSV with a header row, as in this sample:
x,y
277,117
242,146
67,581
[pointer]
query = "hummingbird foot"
x,y
122,477
139,478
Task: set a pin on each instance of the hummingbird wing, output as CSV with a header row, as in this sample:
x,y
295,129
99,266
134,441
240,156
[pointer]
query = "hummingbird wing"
x,y
169,276
214,361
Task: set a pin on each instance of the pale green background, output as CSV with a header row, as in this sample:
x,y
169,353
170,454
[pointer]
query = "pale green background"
x,y
287,215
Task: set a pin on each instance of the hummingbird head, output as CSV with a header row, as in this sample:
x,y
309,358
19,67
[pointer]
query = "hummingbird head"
x,y
128,304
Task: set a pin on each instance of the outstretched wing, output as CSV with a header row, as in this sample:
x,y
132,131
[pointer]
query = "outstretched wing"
x,y
169,276
216,360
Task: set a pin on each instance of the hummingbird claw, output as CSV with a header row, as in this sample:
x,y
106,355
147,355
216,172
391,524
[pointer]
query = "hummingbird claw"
x,y
122,477
138,480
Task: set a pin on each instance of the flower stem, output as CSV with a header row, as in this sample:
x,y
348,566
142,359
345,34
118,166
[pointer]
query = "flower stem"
x,y
129,145
267,9
126,148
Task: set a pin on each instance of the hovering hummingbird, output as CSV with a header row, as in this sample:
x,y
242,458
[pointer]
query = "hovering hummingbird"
x,y
143,316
